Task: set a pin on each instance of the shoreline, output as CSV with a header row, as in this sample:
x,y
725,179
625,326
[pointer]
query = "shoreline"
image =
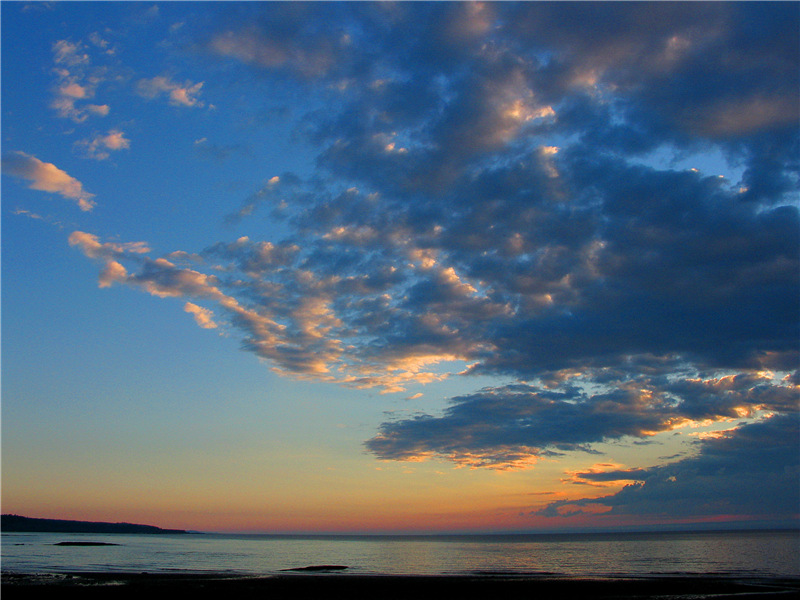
x,y
543,587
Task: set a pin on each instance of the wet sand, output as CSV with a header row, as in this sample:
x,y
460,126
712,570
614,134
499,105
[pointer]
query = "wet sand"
x,y
119,586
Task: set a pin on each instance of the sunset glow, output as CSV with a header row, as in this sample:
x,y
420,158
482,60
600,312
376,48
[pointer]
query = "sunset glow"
x,y
401,266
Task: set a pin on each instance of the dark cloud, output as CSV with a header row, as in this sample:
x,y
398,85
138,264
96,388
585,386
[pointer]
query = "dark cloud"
x,y
218,152
293,39
752,471
670,263
600,477
486,193
507,426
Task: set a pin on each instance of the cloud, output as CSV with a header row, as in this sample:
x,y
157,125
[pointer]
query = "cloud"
x,y
98,109
29,214
608,284
99,146
299,347
103,44
203,316
512,426
289,41
112,272
114,140
753,471
497,192
69,53
93,248
179,94
219,152
73,90
605,474
741,116
47,178
76,82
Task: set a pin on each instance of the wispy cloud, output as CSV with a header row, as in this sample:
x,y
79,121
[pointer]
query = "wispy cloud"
x,y
184,94
285,42
69,54
93,248
76,82
99,146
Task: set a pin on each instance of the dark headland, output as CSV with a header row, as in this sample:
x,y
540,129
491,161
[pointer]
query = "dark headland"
x,y
17,523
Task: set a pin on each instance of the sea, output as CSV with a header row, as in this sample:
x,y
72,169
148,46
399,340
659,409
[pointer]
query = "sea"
x,y
751,554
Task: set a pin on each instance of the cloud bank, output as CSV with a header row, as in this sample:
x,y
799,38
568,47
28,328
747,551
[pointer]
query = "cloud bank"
x,y
501,190
753,471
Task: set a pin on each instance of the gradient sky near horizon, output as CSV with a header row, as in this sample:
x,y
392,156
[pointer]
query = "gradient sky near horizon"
x,y
401,267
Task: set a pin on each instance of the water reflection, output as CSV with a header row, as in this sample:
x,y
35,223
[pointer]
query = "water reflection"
x,y
755,553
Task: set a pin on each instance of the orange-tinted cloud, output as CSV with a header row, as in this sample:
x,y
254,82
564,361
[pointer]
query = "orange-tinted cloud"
x,y
48,178
100,146
179,94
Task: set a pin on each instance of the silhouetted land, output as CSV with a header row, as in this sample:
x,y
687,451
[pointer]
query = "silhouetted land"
x,y
319,568
124,586
84,544
28,524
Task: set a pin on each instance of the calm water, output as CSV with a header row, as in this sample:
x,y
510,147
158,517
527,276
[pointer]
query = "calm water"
x,y
754,553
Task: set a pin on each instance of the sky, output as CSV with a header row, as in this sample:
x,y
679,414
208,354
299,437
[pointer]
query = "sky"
x,y
401,266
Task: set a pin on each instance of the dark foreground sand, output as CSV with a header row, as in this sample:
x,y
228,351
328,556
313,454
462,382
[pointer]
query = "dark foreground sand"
x,y
199,587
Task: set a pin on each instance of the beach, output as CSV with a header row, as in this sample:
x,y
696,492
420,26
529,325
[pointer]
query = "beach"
x,y
119,586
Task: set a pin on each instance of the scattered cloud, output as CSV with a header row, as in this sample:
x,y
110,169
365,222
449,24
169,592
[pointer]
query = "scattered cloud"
x,y
76,82
178,94
103,44
29,214
69,54
99,146
47,177
482,205
93,248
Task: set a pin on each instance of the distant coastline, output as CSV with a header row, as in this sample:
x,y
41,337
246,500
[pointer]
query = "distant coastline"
x,y
19,523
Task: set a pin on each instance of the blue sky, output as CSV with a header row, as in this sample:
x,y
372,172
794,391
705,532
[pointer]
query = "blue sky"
x,y
400,266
